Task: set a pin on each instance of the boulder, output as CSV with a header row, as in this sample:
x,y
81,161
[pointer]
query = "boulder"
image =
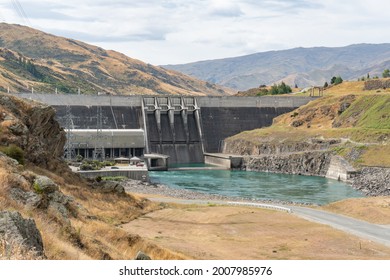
x,y
30,199
43,184
141,256
22,231
46,195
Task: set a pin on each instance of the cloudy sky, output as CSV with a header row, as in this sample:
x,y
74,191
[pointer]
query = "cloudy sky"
x,y
181,31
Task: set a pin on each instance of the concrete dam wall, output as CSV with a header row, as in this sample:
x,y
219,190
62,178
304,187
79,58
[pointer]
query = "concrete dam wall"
x,y
182,127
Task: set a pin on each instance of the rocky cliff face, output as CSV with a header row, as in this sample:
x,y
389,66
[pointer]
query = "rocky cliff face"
x,y
304,163
32,127
243,147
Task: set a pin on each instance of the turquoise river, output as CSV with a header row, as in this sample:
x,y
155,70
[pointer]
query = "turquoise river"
x,y
257,185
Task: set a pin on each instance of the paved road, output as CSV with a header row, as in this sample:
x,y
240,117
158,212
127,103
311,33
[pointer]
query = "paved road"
x,y
376,233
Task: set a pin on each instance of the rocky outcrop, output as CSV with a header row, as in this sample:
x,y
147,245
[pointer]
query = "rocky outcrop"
x,y
46,139
304,163
45,195
373,181
377,84
32,127
22,231
108,187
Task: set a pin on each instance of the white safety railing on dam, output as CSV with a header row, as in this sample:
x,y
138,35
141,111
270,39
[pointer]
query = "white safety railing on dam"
x,y
261,205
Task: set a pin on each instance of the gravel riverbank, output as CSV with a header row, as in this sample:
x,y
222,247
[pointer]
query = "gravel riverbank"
x,y
135,186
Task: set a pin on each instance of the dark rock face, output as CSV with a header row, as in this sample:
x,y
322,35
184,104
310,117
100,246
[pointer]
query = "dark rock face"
x,y
305,163
23,231
47,138
33,128
373,181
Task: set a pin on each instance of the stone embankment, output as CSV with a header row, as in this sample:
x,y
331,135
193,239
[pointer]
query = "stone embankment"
x,y
299,159
315,163
373,181
377,84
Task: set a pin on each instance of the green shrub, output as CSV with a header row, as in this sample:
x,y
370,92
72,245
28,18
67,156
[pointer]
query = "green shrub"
x,y
14,152
280,89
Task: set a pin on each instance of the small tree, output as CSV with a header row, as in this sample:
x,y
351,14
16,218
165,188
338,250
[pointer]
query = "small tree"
x,y
326,85
338,80
333,80
274,89
386,73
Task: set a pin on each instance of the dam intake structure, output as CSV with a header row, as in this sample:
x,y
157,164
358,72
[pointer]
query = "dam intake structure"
x,y
181,127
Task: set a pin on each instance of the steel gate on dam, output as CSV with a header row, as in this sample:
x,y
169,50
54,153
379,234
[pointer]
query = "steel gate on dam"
x,y
182,127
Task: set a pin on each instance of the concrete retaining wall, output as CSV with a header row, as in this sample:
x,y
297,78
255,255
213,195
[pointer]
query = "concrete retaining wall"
x,y
340,169
132,174
219,161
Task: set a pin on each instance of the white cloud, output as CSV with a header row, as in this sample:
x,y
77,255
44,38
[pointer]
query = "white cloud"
x,y
178,31
225,8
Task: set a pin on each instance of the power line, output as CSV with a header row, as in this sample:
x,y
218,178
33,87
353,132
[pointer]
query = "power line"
x,y
20,11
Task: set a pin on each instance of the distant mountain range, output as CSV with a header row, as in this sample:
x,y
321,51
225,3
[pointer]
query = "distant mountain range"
x,y
299,66
30,59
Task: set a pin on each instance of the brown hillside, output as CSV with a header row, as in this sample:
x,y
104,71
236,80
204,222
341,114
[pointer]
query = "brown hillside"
x,y
75,219
31,58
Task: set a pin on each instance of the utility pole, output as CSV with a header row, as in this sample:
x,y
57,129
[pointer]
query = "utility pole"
x,y
99,140
69,150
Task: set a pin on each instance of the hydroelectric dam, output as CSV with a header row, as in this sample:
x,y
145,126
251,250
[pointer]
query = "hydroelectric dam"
x,y
180,127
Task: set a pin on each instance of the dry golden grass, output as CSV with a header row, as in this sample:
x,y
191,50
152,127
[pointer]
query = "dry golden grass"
x,y
371,158
352,87
371,209
222,232
93,232
12,250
